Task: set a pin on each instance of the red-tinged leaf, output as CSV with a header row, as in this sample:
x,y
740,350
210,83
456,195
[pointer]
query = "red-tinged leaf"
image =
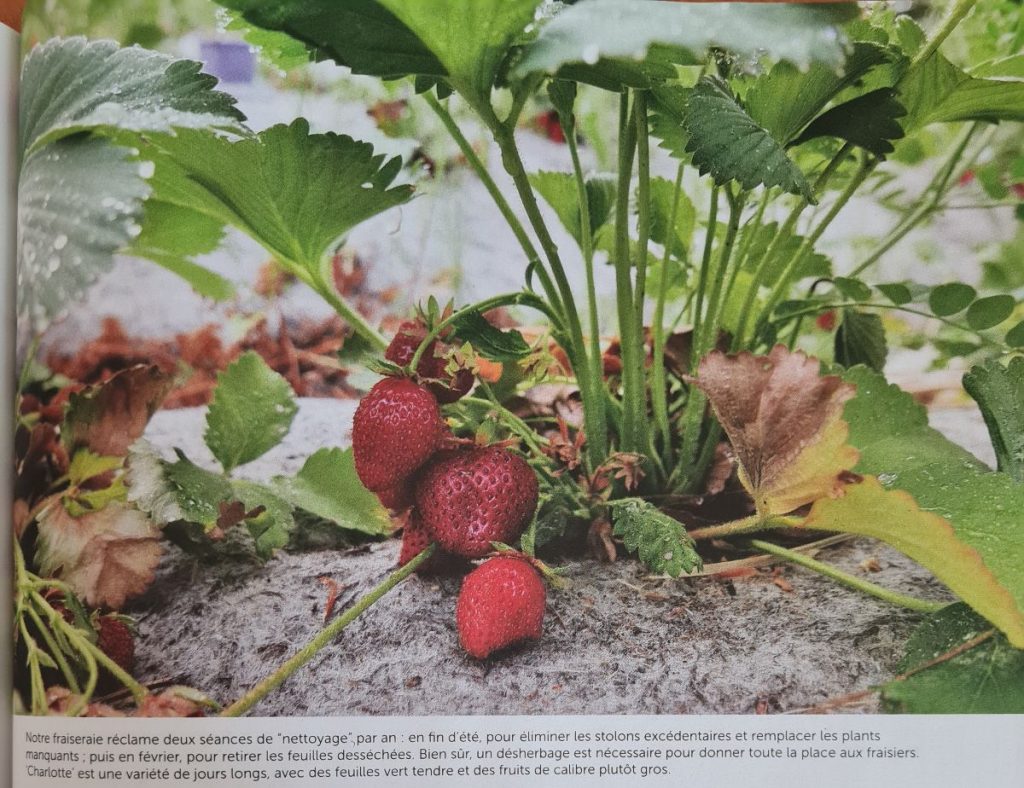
x,y
107,556
109,417
785,423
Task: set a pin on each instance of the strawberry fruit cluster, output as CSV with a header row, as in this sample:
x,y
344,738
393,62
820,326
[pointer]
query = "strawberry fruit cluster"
x,y
463,498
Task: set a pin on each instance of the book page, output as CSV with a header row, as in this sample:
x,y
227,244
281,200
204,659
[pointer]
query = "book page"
x,y
474,392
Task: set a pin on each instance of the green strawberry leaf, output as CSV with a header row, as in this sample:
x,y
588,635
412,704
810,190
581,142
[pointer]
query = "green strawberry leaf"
x,y
488,340
359,34
177,491
660,541
270,520
662,200
472,50
860,339
172,235
786,99
71,85
251,412
328,487
870,122
80,200
609,36
728,144
295,193
950,299
933,501
936,91
559,191
990,311
999,392
985,679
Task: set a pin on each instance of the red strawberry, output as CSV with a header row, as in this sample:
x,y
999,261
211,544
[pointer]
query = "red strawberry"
x,y
115,639
501,603
397,427
471,498
826,321
444,385
397,498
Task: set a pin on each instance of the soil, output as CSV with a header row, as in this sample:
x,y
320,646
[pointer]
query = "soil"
x,y
617,641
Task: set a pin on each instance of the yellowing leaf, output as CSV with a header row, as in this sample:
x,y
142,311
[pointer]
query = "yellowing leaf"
x,y
785,424
106,556
893,516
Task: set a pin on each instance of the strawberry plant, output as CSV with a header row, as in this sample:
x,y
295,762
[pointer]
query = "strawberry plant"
x,y
776,120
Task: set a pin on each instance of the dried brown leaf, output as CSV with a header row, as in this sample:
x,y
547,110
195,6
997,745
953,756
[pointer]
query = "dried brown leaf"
x,y
109,417
107,556
785,423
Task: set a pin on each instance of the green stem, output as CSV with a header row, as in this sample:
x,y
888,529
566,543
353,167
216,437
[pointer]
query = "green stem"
x,y
924,208
956,14
55,651
708,337
902,600
784,282
742,526
576,347
702,278
347,313
597,430
784,233
659,384
630,336
492,189
324,638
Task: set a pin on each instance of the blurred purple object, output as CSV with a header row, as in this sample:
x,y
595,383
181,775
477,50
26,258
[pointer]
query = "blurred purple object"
x,y
229,61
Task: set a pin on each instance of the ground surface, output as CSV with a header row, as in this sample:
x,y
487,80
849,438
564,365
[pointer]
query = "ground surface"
x,y
615,642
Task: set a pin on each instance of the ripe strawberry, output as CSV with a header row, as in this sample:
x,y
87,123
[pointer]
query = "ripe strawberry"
x,y
444,385
501,603
471,498
398,497
115,639
397,427
826,321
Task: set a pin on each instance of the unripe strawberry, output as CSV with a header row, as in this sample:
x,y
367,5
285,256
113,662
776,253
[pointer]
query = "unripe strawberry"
x,y
396,429
473,497
444,385
501,603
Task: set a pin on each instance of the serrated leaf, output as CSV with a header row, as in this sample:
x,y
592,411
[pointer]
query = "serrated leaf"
x,y
999,392
109,417
668,108
727,144
328,487
271,527
559,191
660,541
933,501
488,340
677,237
939,92
251,411
107,557
80,200
785,424
86,465
280,49
985,679
70,85
814,264
359,34
295,193
950,299
471,50
786,99
172,236
860,339
593,32
870,122
990,311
